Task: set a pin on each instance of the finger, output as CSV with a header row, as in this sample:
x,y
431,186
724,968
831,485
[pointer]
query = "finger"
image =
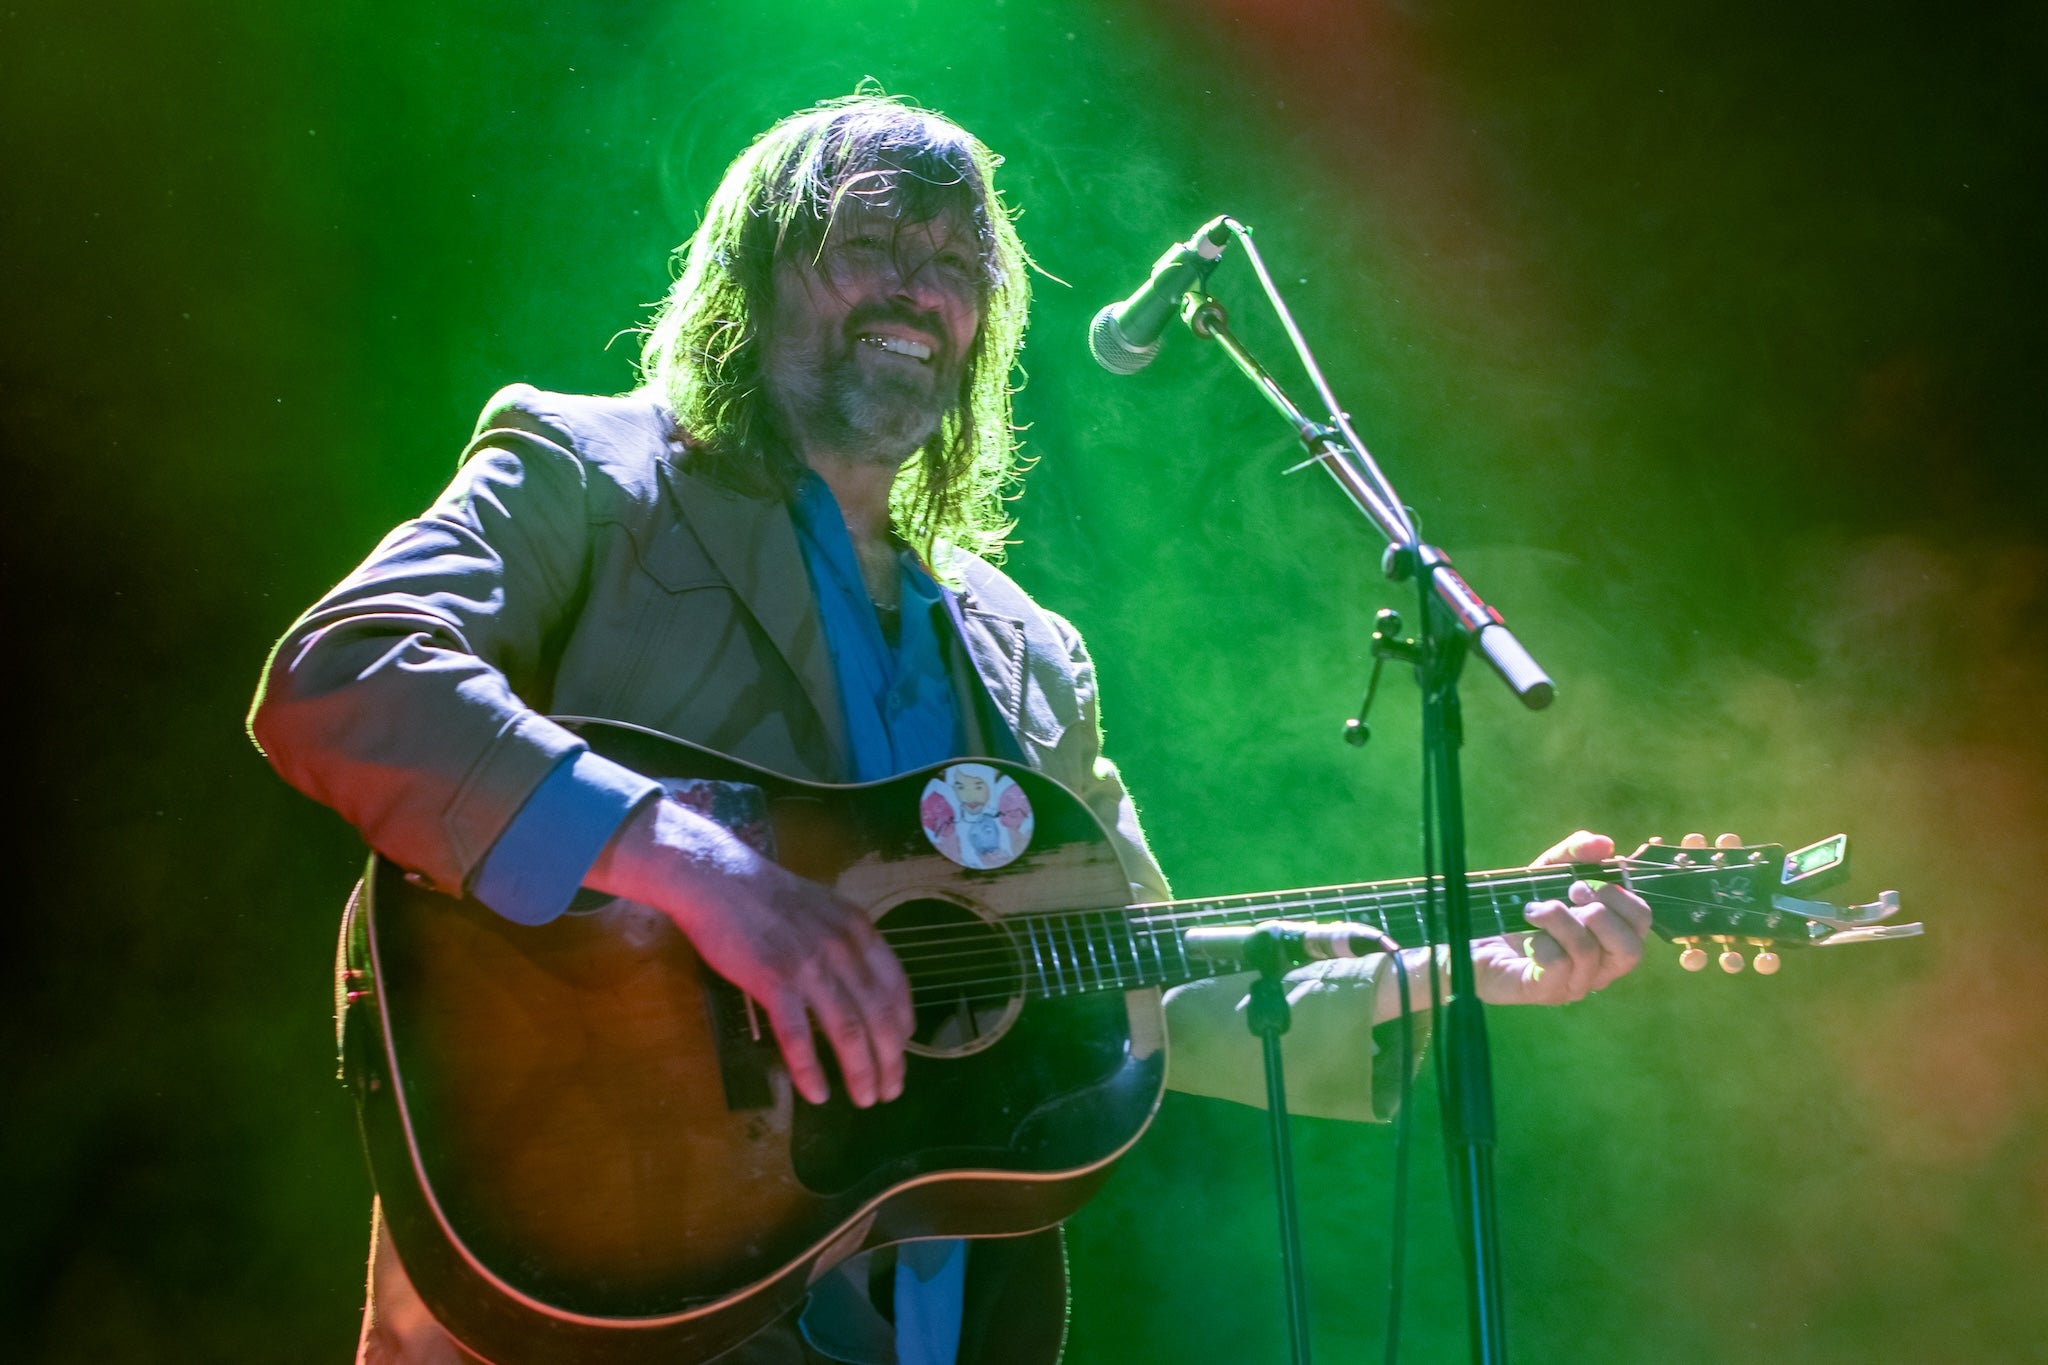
x,y
1601,911
1580,846
881,991
861,997
1633,909
1728,841
892,1028
841,1019
1585,929
1559,852
791,1023
874,981
1579,948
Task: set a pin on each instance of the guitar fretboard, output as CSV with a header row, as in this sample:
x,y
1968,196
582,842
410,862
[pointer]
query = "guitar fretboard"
x,y
1072,952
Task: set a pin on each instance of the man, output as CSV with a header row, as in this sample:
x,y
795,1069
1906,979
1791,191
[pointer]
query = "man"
x,y
770,549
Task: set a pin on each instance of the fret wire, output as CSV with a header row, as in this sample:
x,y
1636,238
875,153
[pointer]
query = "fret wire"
x,y
1130,938
1094,960
1056,985
1067,932
1118,928
1031,924
1158,954
1098,928
1371,913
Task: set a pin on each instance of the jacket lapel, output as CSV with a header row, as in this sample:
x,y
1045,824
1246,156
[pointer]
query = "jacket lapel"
x,y
996,649
753,544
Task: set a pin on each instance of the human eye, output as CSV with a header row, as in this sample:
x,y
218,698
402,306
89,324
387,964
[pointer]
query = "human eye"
x,y
957,265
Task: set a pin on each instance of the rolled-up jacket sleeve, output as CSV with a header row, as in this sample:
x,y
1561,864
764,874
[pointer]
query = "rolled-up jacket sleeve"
x,y
538,864
398,699
1339,1064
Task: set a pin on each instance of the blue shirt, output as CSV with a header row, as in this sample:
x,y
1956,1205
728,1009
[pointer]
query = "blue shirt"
x,y
898,697
900,715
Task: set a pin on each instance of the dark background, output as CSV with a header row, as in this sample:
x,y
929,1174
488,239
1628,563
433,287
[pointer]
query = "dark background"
x,y
1706,336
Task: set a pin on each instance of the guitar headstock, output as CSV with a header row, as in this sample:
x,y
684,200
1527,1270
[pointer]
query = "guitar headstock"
x,y
1756,896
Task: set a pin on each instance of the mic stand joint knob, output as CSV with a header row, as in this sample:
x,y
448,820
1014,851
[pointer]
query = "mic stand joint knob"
x,y
1386,644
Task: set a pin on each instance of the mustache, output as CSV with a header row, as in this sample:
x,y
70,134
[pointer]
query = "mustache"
x,y
865,315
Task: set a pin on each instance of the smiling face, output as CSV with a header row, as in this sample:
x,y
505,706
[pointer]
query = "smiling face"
x,y
868,342
972,791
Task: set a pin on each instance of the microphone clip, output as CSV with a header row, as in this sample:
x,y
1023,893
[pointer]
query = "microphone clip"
x,y
1387,643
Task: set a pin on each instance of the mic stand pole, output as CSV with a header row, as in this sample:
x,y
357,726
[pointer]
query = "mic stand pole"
x,y
1269,1016
1454,617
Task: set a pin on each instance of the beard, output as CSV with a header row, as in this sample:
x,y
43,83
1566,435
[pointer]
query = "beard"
x,y
873,410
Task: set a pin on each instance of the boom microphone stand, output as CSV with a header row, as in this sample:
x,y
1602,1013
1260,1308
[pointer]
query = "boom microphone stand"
x,y
1454,620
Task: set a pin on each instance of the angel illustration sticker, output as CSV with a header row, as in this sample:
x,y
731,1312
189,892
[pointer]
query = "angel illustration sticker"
x,y
976,816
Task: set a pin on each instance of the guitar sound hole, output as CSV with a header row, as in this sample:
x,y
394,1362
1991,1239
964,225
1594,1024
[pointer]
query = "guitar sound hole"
x,y
966,977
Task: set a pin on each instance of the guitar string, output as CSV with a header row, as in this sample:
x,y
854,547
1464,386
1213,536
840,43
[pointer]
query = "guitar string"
x,y
1016,977
1370,898
1405,886
1363,895
1131,938
1133,946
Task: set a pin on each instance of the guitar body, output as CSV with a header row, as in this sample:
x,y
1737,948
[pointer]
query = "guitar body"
x,y
585,1143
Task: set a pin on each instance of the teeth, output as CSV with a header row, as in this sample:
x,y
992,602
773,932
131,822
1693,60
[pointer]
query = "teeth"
x,y
916,350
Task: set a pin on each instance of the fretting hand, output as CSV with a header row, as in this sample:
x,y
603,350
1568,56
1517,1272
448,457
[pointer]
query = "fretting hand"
x,y
1574,946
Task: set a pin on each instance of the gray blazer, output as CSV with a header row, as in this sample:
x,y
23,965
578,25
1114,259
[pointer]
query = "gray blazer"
x,y
576,566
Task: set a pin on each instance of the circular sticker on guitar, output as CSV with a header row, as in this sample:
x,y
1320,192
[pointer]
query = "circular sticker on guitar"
x,y
976,815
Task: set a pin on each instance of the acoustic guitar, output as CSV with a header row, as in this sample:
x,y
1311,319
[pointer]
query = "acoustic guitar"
x,y
585,1143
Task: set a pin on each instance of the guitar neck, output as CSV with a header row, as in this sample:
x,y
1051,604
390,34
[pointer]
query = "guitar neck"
x,y
1072,952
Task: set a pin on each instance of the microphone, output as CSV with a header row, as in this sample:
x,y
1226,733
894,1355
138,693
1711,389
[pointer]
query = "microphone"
x,y
1125,336
1298,942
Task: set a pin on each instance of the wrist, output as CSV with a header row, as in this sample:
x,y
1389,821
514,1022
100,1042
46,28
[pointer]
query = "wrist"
x,y
618,868
665,854
1415,965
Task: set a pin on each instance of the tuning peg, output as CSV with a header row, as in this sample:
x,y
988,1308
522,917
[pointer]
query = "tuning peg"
x,y
1694,958
1766,961
1731,956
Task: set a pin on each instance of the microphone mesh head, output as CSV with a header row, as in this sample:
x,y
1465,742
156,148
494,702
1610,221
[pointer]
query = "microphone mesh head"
x,y
1106,343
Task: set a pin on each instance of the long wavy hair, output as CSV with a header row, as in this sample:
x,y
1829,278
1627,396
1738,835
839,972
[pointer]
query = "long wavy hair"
x,y
703,348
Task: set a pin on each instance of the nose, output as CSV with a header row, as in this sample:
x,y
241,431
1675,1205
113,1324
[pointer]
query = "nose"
x,y
915,282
